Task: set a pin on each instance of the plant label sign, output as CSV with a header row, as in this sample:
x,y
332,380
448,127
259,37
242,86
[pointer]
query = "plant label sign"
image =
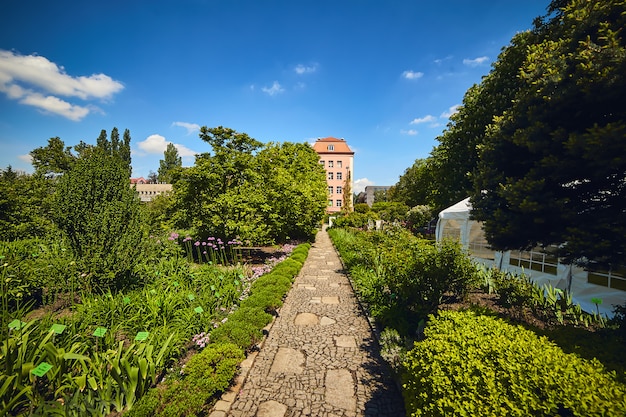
x,y
16,324
126,300
141,336
100,331
198,310
191,297
57,328
41,369
175,283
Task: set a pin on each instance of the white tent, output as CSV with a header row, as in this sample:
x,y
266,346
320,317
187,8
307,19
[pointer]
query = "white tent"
x,y
543,268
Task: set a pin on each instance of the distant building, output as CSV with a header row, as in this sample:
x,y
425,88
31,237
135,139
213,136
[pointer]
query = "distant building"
x,y
338,160
148,191
140,180
370,192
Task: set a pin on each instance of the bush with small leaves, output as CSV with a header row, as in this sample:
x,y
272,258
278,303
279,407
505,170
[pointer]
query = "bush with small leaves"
x,y
476,365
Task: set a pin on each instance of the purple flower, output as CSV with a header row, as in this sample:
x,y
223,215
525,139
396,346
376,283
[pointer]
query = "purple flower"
x,y
203,243
197,244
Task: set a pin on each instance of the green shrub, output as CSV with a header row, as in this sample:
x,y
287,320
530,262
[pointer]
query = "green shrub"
x,y
299,257
474,365
266,300
146,406
243,334
205,375
253,315
100,215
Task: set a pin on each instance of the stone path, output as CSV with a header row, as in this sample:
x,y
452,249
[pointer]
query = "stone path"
x,y
320,357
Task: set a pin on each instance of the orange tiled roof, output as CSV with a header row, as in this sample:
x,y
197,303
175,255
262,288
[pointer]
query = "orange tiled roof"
x,y
340,146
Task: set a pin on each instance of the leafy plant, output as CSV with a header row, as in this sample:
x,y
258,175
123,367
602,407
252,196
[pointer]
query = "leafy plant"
x,y
472,365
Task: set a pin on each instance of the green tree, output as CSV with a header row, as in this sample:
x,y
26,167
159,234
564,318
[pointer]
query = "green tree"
x,y
293,184
170,162
24,205
55,158
416,185
124,152
244,189
100,215
552,169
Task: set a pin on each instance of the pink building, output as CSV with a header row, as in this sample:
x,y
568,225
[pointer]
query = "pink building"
x,y
338,160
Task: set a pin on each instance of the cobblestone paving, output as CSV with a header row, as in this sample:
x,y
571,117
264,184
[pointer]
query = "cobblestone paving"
x,y
320,357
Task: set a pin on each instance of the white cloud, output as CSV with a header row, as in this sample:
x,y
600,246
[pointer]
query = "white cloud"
x,y
191,127
25,158
450,111
153,144
36,81
360,184
274,89
426,119
476,61
184,151
54,105
412,75
303,69
410,132
156,144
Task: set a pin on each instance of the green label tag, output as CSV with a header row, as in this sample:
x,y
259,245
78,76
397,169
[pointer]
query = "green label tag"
x,y
100,331
16,324
191,297
126,300
41,369
58,328
198,310
153,291
142,336
175,283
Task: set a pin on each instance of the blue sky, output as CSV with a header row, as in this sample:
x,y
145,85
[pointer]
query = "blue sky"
x,y
384,75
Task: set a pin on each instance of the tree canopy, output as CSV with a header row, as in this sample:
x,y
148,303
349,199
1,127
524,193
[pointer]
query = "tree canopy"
x,y
171,161
539,143
247,190
552,167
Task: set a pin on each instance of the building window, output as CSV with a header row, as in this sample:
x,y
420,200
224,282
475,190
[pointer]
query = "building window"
x,y
330,147
330,175
330,190
339,176
330,203
323,163
339,164
338,203
338,189
330,164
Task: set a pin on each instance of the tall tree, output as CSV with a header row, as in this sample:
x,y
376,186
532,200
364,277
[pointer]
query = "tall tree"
x,y
170,162
417,185
124,152
552,169
103,142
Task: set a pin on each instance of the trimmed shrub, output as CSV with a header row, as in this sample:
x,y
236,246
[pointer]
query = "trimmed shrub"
x,y
253,315
243,334
266,300
205,375
475,365
299,257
